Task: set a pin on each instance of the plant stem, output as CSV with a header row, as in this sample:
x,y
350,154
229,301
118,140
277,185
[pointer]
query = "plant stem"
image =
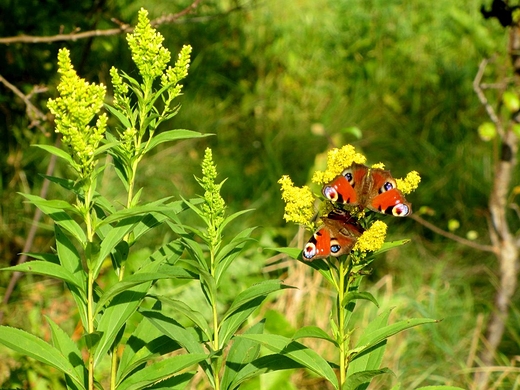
x,y
90,325
341,326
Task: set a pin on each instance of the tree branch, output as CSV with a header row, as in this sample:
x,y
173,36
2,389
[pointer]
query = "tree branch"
x,y
123,28
454,237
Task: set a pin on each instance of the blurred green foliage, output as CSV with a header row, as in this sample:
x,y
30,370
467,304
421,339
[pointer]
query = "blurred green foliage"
x,y
279,82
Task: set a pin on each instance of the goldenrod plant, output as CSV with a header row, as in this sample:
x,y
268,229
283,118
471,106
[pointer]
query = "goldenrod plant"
x,y
92,229
363,237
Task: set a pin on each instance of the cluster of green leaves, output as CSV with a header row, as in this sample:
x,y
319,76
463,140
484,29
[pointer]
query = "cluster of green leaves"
x,y
93,229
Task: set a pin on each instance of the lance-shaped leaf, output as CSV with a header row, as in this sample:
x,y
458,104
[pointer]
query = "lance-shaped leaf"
x,y
55,210
196,317
274,362
313,332
173,135
369,340
145,342
58,152
158,371
47,269
34,347
356,381
241,353
113,238
69,349
297,352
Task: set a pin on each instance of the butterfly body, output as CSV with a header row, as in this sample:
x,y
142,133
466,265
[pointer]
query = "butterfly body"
x,y
374,189
335,237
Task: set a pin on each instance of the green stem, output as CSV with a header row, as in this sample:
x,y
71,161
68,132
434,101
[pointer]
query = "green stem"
x,y
90,326
341,325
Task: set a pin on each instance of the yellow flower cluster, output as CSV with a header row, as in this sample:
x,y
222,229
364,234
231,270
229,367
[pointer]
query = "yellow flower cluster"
x,y
373,238
337,161
79,102
299,202
409,183
148,53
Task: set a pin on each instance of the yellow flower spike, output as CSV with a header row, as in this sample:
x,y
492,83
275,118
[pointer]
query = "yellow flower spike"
x,y
409,183
373,238
378,166
337,161
299,203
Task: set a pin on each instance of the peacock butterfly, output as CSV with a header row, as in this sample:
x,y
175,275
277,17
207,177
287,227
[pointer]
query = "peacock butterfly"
x,y
335,237
372,188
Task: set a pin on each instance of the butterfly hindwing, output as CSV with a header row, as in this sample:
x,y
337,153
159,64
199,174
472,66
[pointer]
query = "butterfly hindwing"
x,y
335,237
386,198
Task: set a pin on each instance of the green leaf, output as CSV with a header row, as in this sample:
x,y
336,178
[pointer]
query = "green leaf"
x,y
358,295
181,335
261,289
139,278
367,341
54,209
112,239
233,216
274,362
241,353
313,332
244,304
178,382
174,330
121,307
295,253
229,252
68,348
173,135
69,256
196,317
57,152
145,342
372,358
160,370
354,382
48,269
137,211
297,352
54,205
439,387
34,347
119,115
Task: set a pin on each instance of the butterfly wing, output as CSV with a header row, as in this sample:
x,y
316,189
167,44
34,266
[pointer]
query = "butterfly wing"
x,y
335,237
384,197
346,188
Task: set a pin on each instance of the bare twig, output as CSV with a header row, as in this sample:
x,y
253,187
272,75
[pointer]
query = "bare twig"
x,y
451,236
34,114
30,237
123,28
505,242
477,87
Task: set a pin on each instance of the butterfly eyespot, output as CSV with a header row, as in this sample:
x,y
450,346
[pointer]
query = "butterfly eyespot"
x,y
330,193
335,249
349,175
401,210
309,251
389,185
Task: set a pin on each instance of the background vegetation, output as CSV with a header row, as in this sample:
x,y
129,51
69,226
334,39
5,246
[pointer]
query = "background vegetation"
x,y
280,82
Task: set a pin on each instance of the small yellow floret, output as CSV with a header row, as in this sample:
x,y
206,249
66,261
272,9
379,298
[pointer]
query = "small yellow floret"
x,y
409,183
373,238
299,202
337,161
378,166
